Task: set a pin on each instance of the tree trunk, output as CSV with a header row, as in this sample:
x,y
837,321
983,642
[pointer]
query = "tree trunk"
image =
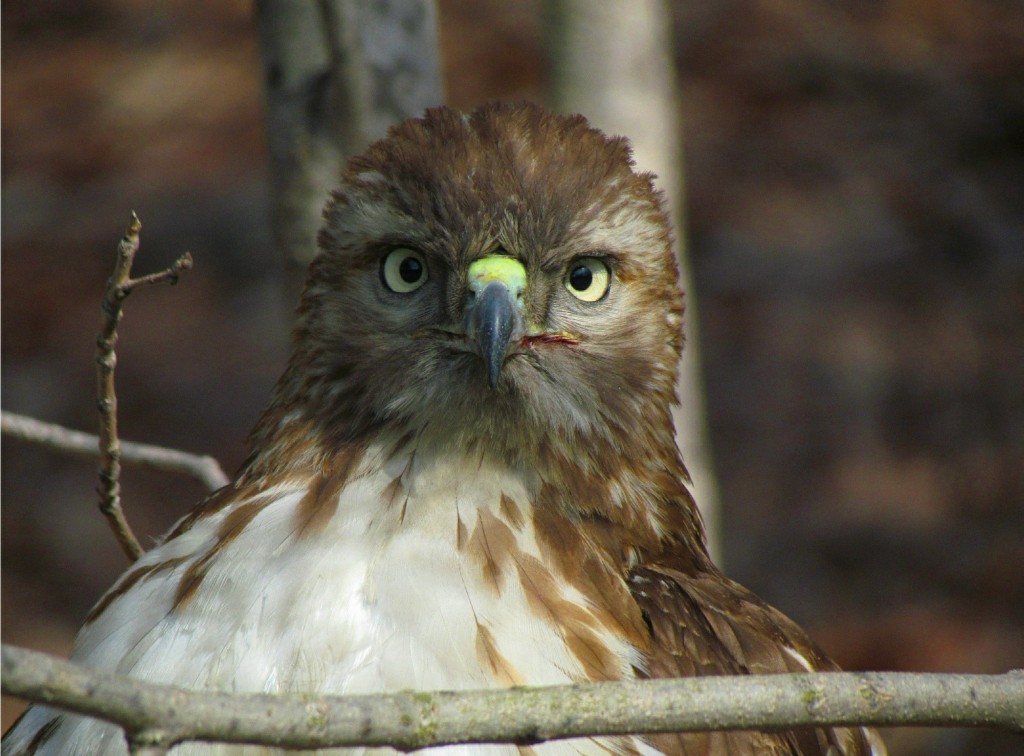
x,y
613,62
337,74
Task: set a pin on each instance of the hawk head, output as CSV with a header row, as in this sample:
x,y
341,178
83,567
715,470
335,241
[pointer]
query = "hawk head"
x,y
504,278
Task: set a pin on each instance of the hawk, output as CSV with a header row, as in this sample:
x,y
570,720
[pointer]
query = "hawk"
x,y
467,476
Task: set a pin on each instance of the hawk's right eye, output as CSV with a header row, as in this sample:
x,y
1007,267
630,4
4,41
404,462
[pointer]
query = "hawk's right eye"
x,y
588,279
403,270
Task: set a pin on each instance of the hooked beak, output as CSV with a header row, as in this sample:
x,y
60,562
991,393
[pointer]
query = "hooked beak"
x,y
493,312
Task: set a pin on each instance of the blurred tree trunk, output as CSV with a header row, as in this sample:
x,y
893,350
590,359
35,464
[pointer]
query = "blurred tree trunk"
x,y
613,62
337,74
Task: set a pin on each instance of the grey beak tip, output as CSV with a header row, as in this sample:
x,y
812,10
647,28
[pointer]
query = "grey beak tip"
x,y
493,321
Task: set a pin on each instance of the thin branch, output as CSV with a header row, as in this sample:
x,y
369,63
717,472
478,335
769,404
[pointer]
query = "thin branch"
x,y
119,286
142,747
62,439
410,721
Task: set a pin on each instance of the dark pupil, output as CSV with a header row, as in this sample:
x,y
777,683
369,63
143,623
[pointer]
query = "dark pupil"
x,y
581,277
410,269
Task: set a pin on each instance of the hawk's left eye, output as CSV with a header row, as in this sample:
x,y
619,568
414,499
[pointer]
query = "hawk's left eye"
x,y
588,279
404,270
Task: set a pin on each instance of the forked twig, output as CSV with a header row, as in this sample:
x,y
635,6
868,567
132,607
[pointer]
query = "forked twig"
x,y
119,286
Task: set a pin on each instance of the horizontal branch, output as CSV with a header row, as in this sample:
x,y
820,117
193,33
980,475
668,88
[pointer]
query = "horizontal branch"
x,y
161,715
57,437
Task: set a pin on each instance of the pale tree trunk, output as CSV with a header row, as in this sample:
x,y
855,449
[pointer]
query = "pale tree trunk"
x,y
337,74
612,61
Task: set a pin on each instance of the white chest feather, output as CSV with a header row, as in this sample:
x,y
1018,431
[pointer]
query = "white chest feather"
x,y
416,573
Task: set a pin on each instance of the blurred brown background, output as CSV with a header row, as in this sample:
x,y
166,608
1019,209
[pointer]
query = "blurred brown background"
x,y
855,182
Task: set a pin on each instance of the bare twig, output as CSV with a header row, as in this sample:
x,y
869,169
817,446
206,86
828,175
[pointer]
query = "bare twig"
x,y
59,438
120,285
408,721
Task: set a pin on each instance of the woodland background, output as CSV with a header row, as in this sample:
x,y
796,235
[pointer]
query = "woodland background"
x,y
855,222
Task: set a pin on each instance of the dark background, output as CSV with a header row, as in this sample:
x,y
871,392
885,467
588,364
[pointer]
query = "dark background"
x,y
855,195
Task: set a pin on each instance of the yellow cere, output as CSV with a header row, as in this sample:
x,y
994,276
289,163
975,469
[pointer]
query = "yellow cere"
x,y
497,268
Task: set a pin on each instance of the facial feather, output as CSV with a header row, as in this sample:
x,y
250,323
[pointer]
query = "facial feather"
x,y
508,180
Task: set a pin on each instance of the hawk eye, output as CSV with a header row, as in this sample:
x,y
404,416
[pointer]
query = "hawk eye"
x,y
403,270
588,279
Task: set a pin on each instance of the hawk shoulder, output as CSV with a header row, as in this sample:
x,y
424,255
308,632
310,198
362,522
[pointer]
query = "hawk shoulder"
x,y
702,623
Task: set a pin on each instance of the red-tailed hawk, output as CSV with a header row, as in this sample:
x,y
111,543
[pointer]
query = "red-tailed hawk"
x,y
467,476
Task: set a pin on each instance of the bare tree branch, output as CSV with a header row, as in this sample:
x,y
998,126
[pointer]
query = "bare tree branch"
x,y
62,439
161,715
141,747
119,286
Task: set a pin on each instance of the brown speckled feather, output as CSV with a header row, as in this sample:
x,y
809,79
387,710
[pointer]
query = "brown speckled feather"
x,y
706,624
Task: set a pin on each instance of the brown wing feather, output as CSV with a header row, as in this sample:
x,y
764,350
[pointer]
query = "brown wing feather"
x,y
705,624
